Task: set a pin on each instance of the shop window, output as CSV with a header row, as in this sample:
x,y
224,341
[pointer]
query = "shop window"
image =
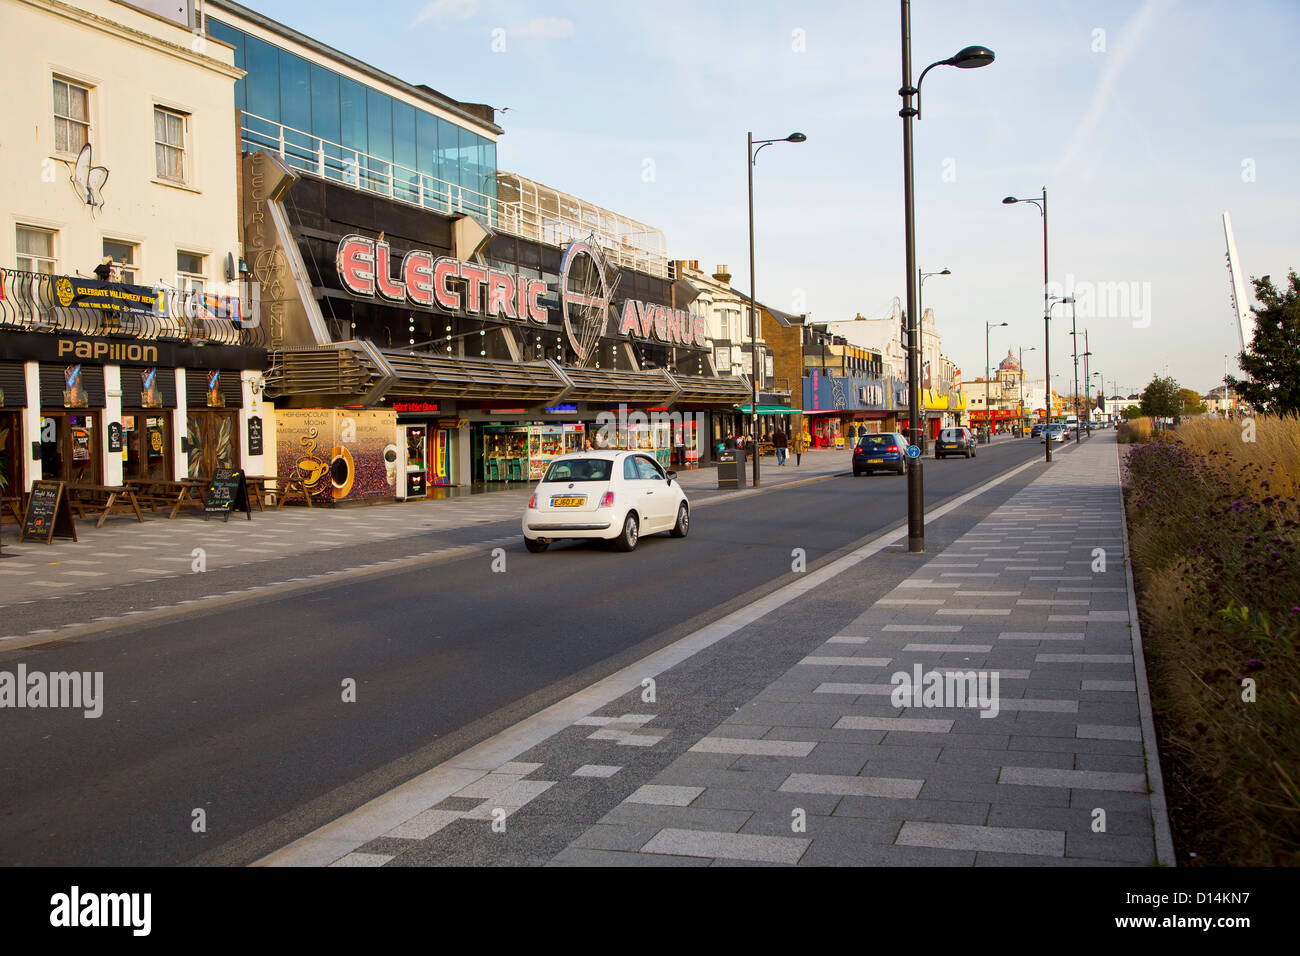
x,y
124,260
35,250
190,271
169,136
71,116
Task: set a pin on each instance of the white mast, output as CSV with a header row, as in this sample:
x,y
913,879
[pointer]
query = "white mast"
x,y
1245,320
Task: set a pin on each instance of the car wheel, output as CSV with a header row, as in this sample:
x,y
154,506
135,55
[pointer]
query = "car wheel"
x,y
937,456
626,541
536,547
683,526
856,473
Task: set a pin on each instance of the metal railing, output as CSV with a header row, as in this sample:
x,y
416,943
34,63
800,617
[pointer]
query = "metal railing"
x,y
33,302
360,170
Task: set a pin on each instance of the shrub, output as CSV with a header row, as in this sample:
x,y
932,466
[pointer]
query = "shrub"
x,y
1214,522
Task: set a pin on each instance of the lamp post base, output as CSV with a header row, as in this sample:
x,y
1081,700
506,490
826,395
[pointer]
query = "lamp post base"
x,y
915,499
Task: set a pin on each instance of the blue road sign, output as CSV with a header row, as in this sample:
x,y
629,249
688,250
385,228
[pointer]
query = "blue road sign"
x,y
913,451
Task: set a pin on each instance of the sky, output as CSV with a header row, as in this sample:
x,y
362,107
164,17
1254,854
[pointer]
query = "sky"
x,y
1144,119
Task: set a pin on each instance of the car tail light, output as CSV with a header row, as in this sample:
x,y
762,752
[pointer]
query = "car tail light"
x,y
608,500
858,450
893,448
532,502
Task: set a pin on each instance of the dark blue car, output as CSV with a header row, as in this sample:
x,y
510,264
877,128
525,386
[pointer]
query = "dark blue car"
x,y
883,452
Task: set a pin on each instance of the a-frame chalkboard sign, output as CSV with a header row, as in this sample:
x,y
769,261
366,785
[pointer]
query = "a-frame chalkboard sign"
x,y
227,492
49,514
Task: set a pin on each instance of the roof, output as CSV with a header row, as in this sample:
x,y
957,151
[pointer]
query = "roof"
x,y
475,113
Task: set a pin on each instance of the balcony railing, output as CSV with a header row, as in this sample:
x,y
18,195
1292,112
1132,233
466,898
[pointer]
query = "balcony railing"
x,y
359,170
34,302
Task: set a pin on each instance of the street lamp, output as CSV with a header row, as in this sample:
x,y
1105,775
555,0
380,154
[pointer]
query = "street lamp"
x,y
988,414
1047,312
751,157
968,58
1023,350
1087,378
920,310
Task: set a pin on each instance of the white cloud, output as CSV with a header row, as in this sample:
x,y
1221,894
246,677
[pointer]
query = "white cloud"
x,y
1130,41
446,10
543,28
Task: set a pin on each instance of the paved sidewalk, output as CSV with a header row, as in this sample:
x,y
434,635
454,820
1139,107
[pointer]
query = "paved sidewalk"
x,y
1058,776
824,766
124,551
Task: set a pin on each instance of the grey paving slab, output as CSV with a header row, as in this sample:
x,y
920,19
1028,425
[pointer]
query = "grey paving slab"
x,y
956,836
736,846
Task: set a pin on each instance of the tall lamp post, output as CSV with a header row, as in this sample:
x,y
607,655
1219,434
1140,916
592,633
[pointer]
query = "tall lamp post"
x,y
920,311
1023,350
968,58
751,157
1074,342
1087,378
988,412
1054,301
1047,311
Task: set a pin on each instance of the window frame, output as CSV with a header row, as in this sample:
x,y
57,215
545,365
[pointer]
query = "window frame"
x,y
185,279
182,149
53,259
87,88
122,268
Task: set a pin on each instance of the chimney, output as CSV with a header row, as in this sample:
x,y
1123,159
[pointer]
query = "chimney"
x,y
722,275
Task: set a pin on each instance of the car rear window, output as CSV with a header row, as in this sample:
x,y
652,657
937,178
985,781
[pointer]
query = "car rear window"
x,y
876,441
579,469
952,434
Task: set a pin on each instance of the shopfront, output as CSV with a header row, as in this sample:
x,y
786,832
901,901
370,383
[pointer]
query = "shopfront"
x,y
839,410
13,401
148,407
72,412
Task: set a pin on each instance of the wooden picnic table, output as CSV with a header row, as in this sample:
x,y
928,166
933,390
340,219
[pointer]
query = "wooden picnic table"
x,y
174,493
88,500
257,486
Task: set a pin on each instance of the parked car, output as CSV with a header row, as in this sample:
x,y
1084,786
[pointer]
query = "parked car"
x,y
1036,430
955,441
1054,433
884,452
616,496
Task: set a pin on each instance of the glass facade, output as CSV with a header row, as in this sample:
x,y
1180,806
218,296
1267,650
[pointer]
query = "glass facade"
x,y
326,117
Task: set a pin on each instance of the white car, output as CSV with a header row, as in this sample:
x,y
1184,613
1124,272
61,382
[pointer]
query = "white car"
x,y
617,496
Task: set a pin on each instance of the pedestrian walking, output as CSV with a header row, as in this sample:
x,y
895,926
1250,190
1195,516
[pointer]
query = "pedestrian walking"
x,y
798,449
780,443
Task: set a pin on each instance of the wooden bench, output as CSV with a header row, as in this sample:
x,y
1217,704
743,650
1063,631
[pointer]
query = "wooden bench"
x,y
103,500
257,488
174,494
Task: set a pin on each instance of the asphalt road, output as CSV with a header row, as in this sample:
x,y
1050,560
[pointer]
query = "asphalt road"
x,y
238,712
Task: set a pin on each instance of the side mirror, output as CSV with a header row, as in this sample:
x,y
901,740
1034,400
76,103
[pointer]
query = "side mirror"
x,y
672,475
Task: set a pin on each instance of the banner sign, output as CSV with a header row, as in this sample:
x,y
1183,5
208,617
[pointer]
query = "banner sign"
x,y
365,268
78,293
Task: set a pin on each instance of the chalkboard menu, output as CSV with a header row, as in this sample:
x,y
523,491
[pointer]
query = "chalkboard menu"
x,y
255,435
114,438
49,514
227,492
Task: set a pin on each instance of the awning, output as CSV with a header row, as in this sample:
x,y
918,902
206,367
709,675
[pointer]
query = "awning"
x,y
770,410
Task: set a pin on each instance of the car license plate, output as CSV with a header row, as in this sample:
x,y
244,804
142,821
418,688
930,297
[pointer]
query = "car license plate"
x,y
875,461
568,502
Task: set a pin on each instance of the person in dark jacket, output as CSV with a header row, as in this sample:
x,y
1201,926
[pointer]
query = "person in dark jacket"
x,y
780,443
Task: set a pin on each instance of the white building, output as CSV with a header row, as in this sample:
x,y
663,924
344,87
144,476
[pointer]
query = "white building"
x,y
127,150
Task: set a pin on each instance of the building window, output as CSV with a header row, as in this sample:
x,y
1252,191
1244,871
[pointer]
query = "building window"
x,y
71,116
189,271
124,260
35,250
169,143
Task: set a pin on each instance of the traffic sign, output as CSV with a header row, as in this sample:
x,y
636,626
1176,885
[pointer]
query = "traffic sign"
x,y
913,451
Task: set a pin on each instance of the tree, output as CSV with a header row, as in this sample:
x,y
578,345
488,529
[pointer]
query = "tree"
x,y
1191,402
1162,398
1272,360
1130,413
